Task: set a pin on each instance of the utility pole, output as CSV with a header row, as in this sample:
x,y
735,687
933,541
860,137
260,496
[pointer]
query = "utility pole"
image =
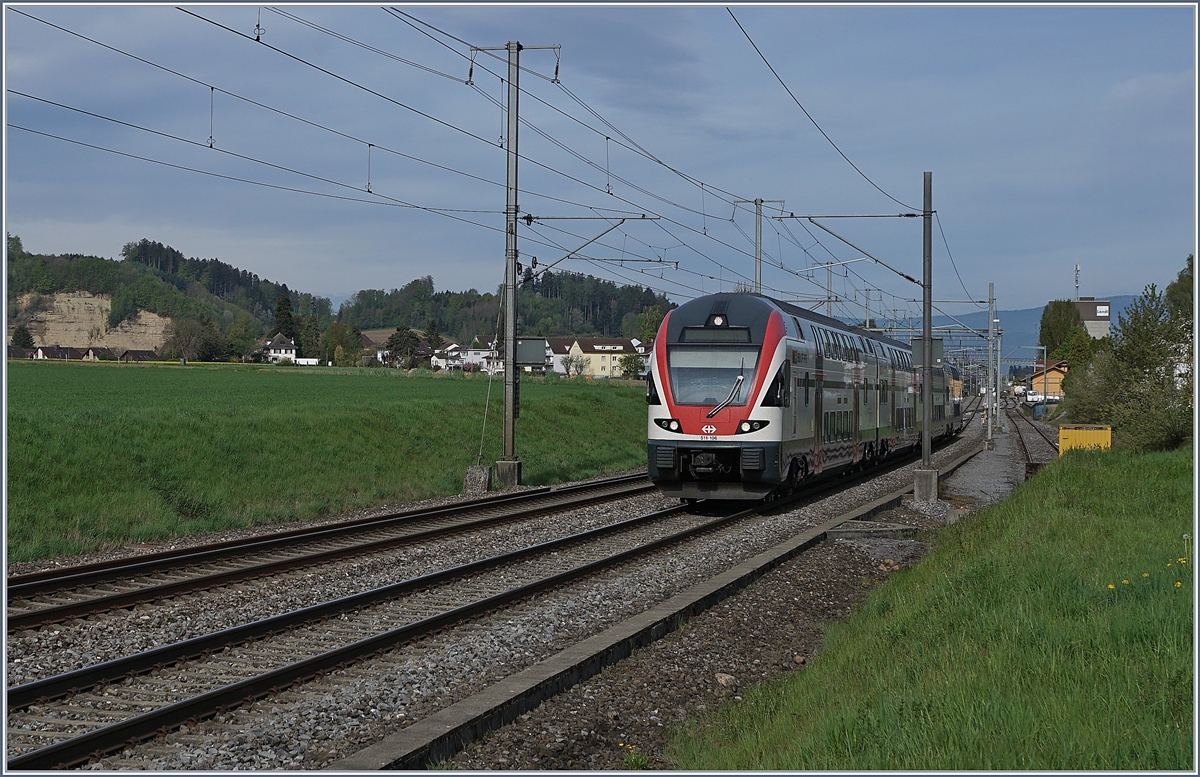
x,y
925,486
508,468
758,203
999,377
1076,283
991,390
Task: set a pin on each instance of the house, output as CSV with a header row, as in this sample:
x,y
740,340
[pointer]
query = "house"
x,y
1048,380
602,355
1095,315
17,352
449,358
135,355
279,347
57,352
95,354
557,351
481,356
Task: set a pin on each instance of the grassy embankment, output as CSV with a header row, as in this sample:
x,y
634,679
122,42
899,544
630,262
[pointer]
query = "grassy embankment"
x,y
102,454
1052,631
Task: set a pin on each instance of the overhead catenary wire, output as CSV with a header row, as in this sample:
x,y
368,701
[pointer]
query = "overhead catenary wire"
x,y
236,155
810,118
481,139
447,124
308,122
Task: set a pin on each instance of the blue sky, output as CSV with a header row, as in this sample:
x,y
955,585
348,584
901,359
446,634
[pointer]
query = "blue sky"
x,y
1056,136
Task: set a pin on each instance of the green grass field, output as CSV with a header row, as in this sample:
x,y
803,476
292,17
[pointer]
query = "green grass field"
x,y
1053,631
102,455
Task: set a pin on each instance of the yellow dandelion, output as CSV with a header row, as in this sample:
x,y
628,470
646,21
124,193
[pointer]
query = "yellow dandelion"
x,y
1124,582
1183,561
1177,583
1145,574
1110,585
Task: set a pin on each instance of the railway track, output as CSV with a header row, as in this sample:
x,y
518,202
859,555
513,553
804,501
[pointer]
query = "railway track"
x,y
74,592
75,717
1035,450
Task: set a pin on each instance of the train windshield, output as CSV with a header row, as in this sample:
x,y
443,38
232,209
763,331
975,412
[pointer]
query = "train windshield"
x,y
705,376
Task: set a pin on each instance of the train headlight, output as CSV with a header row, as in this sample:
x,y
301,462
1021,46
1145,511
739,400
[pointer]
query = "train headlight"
x,y
670,424
745,426
674,425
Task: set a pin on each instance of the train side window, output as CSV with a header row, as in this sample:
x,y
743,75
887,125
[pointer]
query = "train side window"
x,y
799,329
806,389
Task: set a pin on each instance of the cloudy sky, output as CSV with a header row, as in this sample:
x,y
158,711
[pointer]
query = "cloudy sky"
x,y
1055,135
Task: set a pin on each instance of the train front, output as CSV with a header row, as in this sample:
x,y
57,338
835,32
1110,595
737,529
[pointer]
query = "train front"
x,y
715,420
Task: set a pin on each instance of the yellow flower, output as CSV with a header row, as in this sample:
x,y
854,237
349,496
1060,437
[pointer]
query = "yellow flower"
x,y
1145,574
1183,561
1177,583
1110,585
1124,582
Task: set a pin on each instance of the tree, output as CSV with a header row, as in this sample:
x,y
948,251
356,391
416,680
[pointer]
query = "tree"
x,y
401,347
191,339
23,338
15,249
1058,318
1143,388
576,364
630,365
344,336
285,320
433,335
648,322
308,338
339,356
1179,293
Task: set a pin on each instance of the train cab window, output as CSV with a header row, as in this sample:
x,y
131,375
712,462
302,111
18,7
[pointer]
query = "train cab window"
x,y
707,376
799,329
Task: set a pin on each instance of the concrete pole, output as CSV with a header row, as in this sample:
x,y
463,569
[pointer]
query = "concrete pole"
x,y
999,379
925,482
991,384
926,326
508,469
758,245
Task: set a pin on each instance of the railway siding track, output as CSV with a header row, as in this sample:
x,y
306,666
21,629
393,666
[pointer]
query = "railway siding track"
x,y
59,595
1036,450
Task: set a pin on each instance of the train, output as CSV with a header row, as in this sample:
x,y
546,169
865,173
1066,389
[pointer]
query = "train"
x,y
751,397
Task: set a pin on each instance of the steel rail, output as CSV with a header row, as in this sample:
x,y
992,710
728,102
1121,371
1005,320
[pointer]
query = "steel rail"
x,y
94,572
37,617
99,741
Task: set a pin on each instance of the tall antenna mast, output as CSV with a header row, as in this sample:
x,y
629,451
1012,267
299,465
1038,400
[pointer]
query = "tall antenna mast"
x,y
1076,283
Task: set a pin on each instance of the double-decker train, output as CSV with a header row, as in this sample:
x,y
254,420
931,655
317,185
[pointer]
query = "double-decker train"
x,y
749,395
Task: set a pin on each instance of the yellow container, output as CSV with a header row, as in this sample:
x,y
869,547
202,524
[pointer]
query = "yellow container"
x,y
1083,436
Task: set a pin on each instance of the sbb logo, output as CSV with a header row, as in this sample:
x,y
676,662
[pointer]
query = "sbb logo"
x,y
709,429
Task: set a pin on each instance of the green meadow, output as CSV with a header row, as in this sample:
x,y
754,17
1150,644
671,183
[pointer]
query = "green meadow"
x,y
101,455
1050,632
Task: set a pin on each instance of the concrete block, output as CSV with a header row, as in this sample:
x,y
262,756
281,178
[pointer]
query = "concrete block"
x,y
925,485
508,473
478,480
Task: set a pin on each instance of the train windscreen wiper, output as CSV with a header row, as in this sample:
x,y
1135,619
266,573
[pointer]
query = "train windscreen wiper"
x,y
737,382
